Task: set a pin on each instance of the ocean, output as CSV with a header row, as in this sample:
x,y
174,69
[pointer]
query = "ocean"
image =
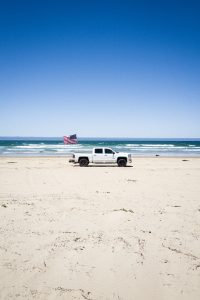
x,y
137,147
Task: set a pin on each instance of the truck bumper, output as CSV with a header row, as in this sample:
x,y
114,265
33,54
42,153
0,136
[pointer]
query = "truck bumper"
x,y
72,160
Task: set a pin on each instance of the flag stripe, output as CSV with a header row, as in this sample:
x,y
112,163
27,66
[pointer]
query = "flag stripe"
x,y
72,139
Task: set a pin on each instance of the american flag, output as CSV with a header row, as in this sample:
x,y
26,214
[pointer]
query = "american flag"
x,y
72,139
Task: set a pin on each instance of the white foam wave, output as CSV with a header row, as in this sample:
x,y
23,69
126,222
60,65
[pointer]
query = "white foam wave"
x,y
139,149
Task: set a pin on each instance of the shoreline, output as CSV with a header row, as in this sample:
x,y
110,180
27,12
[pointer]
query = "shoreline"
x,y
68,156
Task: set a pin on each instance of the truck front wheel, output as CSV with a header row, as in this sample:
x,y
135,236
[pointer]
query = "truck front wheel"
x,y
83,162
121,162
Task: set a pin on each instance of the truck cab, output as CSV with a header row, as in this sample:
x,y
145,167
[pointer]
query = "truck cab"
x,y
103,155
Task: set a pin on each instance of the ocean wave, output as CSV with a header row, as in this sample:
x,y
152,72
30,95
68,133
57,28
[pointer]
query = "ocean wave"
x,y
36,146
138,148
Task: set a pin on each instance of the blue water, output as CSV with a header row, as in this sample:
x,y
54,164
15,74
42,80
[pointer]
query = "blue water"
x,y
137,147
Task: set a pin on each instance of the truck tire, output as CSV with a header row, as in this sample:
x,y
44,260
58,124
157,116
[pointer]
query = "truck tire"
x,y
122,162
83,162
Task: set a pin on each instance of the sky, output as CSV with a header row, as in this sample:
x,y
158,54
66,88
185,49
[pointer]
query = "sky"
x,y
100,68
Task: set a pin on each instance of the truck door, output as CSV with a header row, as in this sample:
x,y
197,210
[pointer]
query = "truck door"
x,y
109,155
98,155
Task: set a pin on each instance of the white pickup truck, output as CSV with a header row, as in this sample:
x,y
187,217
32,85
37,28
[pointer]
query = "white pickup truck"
x,y
101,155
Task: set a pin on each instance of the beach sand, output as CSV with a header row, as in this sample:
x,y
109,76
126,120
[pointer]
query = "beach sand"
x,y
100,232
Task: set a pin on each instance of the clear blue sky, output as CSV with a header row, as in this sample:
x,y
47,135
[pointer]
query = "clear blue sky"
x,y
100,68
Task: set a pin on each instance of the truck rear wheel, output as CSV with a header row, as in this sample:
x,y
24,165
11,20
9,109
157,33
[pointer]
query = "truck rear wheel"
x,y
121,162
83,162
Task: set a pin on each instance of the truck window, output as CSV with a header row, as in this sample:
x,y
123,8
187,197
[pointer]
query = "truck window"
x,y
99,151
108,151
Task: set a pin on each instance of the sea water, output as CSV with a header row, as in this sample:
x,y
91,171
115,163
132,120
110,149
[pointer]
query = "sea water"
x,y
137,147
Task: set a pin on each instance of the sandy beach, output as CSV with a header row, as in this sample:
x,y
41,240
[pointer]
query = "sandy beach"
x,y
100,232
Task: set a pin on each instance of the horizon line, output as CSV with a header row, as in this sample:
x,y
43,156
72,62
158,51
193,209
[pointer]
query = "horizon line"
x,y
98,137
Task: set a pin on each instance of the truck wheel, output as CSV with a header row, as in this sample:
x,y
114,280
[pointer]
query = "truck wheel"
x,y
121,162
83,162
